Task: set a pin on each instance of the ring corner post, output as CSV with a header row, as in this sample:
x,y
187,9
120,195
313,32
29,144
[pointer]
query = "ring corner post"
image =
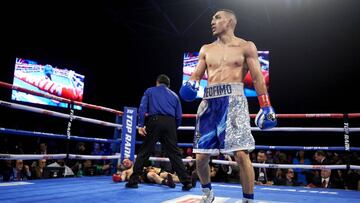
x,y
68,130
128,133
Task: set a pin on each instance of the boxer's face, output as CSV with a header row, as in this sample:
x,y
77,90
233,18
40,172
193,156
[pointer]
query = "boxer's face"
x,y
219,23
127,163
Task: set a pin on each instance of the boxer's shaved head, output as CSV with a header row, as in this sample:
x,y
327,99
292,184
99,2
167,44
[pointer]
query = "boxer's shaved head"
x,y
229,14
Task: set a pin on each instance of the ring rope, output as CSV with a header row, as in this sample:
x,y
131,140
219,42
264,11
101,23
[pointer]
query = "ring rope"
x,y
258,165
31,156
305,148
55,156
162,159
103,140
354,115
288,129
308,115
58,136
302,166
264,147
94,157
119,126
57,114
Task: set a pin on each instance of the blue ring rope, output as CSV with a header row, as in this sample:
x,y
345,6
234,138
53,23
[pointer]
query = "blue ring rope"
x,y
79,138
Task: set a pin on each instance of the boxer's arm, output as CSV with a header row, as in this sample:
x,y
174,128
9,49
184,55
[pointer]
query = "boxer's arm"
x,y
200,67
266,117
123,175
188,90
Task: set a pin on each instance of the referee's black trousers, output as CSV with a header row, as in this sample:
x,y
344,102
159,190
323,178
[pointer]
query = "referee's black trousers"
x,y
163,129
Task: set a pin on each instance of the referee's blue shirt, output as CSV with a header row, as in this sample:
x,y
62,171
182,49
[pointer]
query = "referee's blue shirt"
x,y
160,100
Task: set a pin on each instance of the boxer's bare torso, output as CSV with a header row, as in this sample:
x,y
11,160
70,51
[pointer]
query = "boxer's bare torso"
x,y
228,61
225,62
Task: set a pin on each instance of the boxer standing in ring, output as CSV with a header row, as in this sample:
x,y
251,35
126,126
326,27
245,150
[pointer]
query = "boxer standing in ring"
x,y
223,121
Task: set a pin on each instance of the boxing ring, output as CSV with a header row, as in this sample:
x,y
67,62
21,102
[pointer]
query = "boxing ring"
x,y
103,189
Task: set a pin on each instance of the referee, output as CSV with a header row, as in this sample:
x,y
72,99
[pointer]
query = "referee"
x,y
164,117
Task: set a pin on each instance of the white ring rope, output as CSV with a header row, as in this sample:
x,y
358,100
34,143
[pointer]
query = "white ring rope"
x,y
94,157
31,156
258,165
57,114
302,166
163,159
55,156
289,129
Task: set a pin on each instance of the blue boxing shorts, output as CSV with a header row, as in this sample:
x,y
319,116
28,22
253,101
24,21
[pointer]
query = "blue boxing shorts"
x,y
223,121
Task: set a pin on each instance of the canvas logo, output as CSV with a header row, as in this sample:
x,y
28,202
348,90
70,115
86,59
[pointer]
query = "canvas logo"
x,y
194,199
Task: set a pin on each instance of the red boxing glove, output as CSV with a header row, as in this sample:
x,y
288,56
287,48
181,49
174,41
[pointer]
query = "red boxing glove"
x,y
116,177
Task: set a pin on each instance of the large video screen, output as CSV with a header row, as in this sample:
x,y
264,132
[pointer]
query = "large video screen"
x,y
191,59
46,78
